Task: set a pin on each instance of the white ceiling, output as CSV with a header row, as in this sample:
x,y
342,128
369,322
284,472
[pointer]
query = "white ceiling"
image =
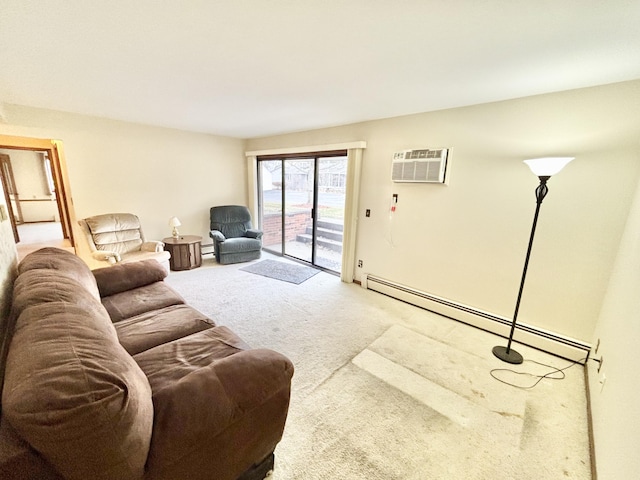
x,y
250,68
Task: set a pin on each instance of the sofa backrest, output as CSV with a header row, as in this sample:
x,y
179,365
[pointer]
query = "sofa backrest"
x,y
71,390
65,263
115,232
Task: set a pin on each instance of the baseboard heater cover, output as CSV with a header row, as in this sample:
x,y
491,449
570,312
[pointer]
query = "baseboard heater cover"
x,y
550,342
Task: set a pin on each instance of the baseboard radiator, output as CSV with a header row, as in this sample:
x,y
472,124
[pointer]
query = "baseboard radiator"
x,y
541,339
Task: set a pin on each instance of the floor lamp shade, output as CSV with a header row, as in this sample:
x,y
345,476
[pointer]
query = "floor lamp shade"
x,y
544,168
548,166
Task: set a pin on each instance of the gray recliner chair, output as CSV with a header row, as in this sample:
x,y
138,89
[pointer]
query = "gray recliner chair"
x,y
234,238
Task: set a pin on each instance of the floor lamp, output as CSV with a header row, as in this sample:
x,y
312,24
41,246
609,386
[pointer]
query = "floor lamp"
x,y
544,168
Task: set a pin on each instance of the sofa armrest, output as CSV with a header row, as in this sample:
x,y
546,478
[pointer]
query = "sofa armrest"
x,y
253,233
217,235
152,247
106,256
196,416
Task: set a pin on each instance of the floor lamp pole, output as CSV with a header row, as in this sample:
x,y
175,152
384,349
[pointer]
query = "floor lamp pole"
x,y
506,354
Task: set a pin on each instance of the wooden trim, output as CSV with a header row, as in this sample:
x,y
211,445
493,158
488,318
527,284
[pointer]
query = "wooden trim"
x,y
24,143
307,149
23,200
7,185
306,155
63,190
61,180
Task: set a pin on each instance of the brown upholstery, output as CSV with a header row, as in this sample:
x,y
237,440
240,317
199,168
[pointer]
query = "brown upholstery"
x,y
117,279
65,265
131,385
164,325
71,390
18,460
140,300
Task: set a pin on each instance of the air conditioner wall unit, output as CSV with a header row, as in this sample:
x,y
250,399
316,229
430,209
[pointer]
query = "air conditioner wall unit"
x,y
420,166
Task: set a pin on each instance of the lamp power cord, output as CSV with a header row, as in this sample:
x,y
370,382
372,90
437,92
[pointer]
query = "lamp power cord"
x,y
553,374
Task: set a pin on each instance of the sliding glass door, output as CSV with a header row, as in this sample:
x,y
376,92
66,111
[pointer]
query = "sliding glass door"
x,y
301,202
299,185
330,196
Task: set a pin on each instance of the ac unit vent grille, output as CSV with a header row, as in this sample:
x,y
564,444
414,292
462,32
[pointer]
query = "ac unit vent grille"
x,y
420,166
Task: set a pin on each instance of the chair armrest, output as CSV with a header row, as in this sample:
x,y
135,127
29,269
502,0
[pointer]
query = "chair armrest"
x,y
217,235
106,256
152,247
253,233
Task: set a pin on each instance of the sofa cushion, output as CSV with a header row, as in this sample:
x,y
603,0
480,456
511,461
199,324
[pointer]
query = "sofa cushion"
x,y
63,263
174,360
154,328
212,397
140,300
161,257
122,277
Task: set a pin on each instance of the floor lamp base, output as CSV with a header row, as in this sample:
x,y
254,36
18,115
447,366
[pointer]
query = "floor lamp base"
x,y
511,357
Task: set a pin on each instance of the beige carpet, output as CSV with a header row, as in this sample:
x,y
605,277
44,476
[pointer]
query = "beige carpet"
x,y
385,390
34,236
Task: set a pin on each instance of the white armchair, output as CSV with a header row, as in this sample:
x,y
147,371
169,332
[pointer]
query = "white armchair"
x,y
118,238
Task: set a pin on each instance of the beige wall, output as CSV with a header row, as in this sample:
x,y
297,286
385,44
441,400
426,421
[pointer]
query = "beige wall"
x,y
616,402
153,172
467,241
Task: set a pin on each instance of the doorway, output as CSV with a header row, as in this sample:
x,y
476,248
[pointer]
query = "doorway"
x,y
36,193
302,206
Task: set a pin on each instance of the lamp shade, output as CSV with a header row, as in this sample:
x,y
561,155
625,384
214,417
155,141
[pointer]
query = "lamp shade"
x,y
547,166
174,222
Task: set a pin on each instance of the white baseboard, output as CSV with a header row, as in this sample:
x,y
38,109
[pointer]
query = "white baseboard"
x,y
536,337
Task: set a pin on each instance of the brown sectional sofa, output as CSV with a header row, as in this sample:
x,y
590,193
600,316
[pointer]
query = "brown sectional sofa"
x,y
110,375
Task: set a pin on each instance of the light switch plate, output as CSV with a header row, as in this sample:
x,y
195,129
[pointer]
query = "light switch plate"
x,y
3,213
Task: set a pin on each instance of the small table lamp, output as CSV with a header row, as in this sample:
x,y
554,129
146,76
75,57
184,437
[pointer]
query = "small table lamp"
x,y
174,223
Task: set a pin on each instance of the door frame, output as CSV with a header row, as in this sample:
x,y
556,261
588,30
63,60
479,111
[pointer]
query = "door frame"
x,y
315,157
8,185
355,154
54,149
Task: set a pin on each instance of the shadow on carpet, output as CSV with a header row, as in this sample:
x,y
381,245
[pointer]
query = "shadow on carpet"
x,y
287,272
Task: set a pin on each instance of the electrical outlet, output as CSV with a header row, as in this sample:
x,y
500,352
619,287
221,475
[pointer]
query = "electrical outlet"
x,y
602,380
367,213
359,263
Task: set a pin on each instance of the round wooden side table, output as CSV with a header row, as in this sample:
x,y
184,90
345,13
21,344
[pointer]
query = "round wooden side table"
x,y
185,251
